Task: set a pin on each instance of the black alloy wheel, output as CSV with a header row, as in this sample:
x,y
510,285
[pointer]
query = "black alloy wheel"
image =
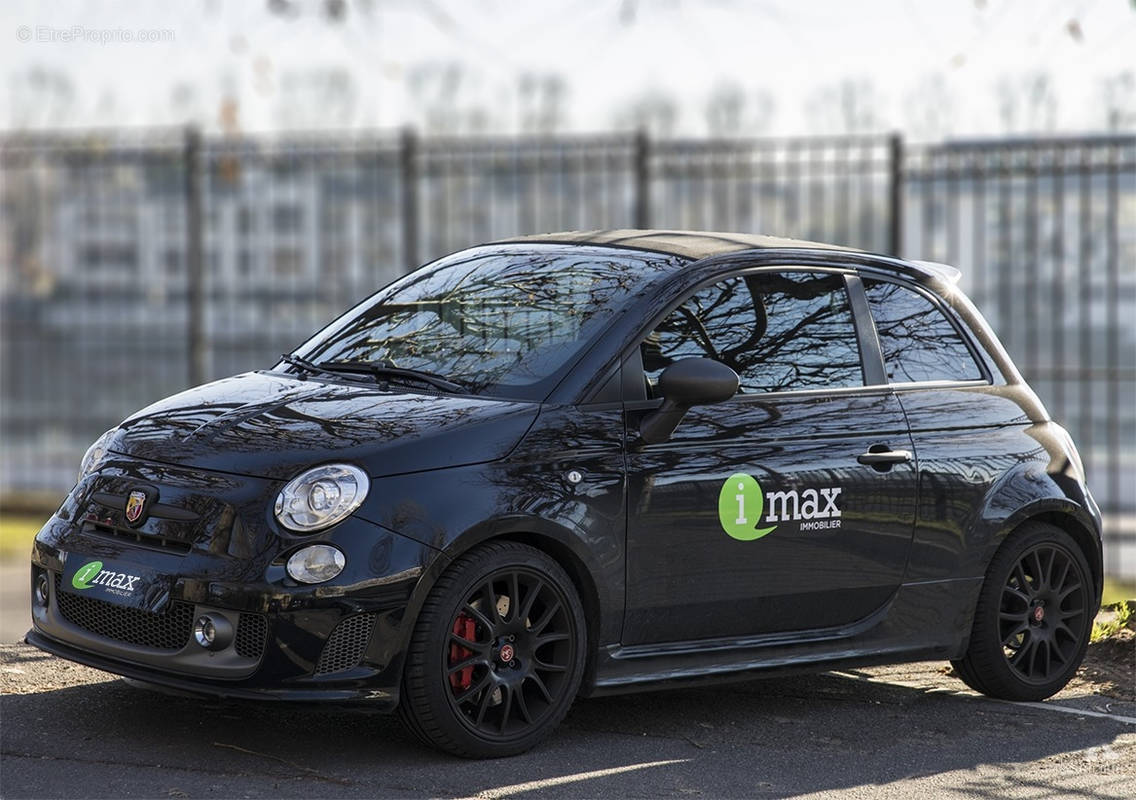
x,y
1042,617
1033,619
498,653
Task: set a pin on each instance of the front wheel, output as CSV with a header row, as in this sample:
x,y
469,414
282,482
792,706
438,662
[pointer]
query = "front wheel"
x,y
497,655
1033,618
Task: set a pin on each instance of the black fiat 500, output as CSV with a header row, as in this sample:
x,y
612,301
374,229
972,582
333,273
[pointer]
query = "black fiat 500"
x,y
588,463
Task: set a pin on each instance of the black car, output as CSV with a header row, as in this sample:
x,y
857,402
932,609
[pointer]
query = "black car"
x,y
587,463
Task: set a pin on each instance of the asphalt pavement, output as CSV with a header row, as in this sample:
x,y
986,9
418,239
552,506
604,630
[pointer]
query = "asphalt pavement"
x,y
70,731
15,599
902,731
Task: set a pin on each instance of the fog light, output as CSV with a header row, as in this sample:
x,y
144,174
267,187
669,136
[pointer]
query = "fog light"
x,y
316,563
212,631
39,593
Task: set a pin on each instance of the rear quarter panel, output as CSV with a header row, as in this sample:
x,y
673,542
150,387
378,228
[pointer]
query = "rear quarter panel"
x,y
985,467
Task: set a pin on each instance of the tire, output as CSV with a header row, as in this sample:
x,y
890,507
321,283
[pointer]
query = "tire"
x,y
497,654
1033,617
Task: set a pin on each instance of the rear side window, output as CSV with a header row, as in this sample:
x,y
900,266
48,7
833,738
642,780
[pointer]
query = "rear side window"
x,y
919,343
780,331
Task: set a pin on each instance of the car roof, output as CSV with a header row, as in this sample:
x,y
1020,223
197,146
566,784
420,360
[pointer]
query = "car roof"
x,y
698,245
688,244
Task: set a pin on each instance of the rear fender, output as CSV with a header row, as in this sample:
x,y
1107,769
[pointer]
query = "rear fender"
x,y
1028,493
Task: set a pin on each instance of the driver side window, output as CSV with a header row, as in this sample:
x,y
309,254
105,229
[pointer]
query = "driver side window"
x,y
780,331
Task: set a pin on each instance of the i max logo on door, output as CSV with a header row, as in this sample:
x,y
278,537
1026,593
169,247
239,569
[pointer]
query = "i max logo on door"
x,y
741,504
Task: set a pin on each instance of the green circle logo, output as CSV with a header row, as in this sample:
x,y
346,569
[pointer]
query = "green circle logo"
x,y
82,576
740,506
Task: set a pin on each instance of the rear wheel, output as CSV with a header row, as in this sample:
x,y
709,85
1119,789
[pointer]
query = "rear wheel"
x,y
497,656
1033,618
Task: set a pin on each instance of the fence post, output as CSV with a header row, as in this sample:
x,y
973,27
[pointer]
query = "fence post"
x,y
194,266
408,166
642,180
895,194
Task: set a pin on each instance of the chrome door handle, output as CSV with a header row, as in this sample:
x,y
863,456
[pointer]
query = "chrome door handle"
x,y
885,457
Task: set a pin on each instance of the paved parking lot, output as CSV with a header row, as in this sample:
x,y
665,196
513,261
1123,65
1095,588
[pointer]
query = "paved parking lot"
x,y
69,731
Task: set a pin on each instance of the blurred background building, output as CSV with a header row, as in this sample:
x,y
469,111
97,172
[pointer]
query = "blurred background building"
x,y
149,243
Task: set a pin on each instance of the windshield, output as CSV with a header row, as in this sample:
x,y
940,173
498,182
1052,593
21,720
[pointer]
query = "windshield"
x,y
506,320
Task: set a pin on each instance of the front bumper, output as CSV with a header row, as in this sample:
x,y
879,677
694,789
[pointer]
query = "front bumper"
x,y
374,698
338,641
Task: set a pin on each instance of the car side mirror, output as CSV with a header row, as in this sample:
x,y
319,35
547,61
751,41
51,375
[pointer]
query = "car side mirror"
x,y
684,384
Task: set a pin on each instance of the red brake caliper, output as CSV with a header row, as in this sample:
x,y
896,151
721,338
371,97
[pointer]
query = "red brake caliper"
x,y
466,628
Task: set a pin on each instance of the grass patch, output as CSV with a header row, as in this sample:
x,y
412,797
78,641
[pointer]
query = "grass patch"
x,y
1113,619
16,534
1117,590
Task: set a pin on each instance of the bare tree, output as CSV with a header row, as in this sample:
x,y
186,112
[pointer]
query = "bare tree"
x,y
653,110
540,102
185,104
442,94
929,109
41,97
1027,103
851,106
317,98
1119,95
106,108
732,112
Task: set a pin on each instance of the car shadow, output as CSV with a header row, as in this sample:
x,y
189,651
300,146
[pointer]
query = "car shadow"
x,y
777,737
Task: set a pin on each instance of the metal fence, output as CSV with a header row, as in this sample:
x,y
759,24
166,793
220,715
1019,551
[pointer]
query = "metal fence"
x,y
135,264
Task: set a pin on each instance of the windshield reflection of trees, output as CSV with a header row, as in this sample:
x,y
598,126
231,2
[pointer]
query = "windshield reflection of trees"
x,y
778,331
492,321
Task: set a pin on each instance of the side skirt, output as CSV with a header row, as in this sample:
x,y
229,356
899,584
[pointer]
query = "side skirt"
x,y
927,620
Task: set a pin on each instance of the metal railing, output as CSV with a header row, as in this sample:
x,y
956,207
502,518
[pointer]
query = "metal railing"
x,y
135,264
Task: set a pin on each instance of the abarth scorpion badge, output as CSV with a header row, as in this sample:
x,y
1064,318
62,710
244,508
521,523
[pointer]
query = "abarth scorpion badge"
x,y
135,504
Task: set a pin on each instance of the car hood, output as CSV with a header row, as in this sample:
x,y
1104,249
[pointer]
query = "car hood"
x,y
272,426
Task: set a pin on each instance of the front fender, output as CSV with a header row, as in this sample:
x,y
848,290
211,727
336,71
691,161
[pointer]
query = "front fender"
x,y
579,524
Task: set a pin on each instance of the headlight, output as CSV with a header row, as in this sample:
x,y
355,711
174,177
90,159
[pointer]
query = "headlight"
x,y
94,454
321,497
316,563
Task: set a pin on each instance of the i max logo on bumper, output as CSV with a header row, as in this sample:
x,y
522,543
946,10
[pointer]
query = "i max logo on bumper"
x,y
92,574
82,577
741,504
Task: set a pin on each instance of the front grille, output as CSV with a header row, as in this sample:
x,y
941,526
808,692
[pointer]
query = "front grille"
x,y
167,631
251,630
346,645
161,543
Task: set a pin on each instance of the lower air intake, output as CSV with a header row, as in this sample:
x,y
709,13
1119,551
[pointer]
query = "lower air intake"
x,y
251,630
167,631
346,645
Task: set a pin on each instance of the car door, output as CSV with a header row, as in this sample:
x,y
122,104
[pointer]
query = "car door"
x,y
760,514
965,435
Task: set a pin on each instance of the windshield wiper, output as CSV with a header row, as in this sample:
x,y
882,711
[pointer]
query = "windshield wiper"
x,y
309,367
379,370
340,368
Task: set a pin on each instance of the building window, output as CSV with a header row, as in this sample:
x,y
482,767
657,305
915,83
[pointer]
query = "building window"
x,y
172,262
286,219
246,221
286,262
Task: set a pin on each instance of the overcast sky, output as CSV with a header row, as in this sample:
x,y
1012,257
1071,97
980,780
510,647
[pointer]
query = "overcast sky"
x,y
931,67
